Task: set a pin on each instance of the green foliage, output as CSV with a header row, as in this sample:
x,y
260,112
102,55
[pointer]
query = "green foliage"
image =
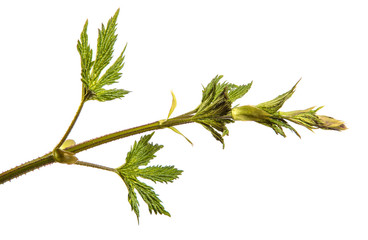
x,y
277,124
93,84
276,121
85,53
214,89
275,104
268,114
214,112
141,154
307,118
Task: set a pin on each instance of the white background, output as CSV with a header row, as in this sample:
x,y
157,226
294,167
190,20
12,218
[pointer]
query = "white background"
x,y
261,186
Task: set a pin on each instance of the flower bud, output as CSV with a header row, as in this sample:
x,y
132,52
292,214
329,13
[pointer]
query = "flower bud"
x,y
331,123
309,119
306,118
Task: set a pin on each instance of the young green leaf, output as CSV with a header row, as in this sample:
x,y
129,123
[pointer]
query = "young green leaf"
x,y
85,53
214,115
67,143
132,199
178,132
93,84
173,104
268,114
214,89
214,112
277,124
309,119
172,108
141,154
105,46
150,198
236,92
163,174
275,104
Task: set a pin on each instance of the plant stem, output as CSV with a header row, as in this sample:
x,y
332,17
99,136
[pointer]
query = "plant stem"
x,y
126,133
71,125
88,164
26,167
48,158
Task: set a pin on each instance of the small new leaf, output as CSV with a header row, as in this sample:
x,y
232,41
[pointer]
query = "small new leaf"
x,y
268,114
105,45
178,132
173,104
163,174
141,154
85,53
275,104
214,112
309,119
172,108
67,143
214,89
93,84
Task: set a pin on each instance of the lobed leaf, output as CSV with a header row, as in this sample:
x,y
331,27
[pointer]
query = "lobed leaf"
x,y
103,95
275,104
163,174
236,92
140,155
105,45
150,198
113,73
142,152
214,112
133,200
85,53
93,84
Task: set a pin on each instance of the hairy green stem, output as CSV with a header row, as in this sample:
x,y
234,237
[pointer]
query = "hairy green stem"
x,y
26,167
71,125
126,133
93,165
48,158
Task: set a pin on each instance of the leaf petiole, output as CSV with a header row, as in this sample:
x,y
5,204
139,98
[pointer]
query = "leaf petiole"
x,y
66,134
93,165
